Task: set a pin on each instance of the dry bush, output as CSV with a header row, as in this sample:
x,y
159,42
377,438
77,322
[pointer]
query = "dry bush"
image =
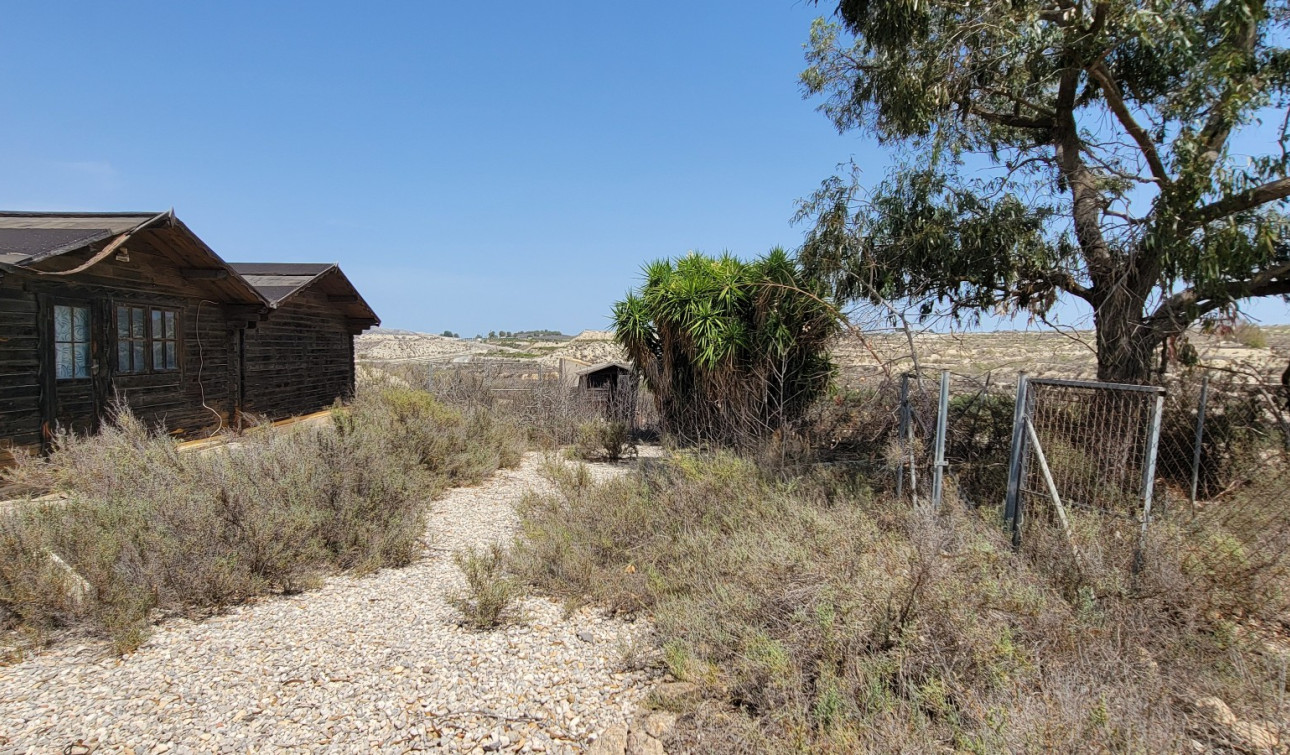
x,y
1250,335
1236,551
602,439
549,411
149,528
819,618
490,591
856,423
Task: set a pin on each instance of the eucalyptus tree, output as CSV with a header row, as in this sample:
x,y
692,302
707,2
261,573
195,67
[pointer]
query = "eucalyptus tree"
x,y
730,350
1131,155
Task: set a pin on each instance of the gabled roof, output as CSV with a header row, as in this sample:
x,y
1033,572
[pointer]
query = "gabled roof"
x,y
603,366
29,239
278,282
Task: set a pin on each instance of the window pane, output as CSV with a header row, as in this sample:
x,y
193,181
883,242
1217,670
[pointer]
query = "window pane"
x,y
63,360
122,323
136,318
62,324
138,356
81,324
158,355
157,330
170,325
172,359
123,356
82,356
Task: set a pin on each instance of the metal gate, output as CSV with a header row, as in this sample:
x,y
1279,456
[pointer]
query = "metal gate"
x,y
1081,446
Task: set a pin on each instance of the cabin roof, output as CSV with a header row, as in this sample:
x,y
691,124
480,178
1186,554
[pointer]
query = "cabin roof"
x,y
603,366
30,239
27,237
278,282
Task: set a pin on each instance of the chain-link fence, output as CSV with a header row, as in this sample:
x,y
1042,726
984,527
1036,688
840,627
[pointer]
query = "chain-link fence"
x,y
1221,431
888,427
1082,470
1117,457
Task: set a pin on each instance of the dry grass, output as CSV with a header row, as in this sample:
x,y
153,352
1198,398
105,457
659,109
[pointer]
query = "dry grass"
x,y
145,530
817,617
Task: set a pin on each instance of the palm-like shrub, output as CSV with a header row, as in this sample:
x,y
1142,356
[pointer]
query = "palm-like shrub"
x,y
732,351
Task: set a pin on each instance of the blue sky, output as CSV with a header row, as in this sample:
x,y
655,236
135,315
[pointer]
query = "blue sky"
x,y
471,167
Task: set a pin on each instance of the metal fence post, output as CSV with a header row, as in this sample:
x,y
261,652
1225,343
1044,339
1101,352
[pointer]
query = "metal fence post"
x,y
1149,475
901,430
1012,503
942,412
1200,436
913,456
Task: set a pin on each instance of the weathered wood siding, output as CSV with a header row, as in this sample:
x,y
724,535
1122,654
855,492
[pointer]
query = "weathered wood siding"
x,y
299,361
202,393
19,383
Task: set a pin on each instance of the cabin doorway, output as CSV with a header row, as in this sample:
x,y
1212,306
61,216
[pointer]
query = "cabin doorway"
x,y
73,367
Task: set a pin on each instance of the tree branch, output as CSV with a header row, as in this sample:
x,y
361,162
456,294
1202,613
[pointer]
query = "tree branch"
x,y
1088,201
1067,283
1219,125
1180,310
1241,201
1102,76
1013,121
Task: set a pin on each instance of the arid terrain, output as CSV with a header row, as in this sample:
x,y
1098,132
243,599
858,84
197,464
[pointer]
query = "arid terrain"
x,y
385,345
860,356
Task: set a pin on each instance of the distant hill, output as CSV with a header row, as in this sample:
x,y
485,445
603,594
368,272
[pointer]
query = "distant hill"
x,y
1001,353
392,345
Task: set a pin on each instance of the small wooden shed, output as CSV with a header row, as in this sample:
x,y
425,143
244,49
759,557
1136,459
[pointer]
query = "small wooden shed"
x,y
604,376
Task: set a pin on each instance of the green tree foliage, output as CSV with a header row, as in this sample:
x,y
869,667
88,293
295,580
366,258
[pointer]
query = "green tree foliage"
x,y
731,350
1056,148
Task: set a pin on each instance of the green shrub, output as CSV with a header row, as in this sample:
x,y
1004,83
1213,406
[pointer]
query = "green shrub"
x,y
731,351
1248,334
609,440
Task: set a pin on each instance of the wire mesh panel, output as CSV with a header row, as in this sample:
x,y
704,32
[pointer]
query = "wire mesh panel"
x,y
1096,440
977,423
1083,467
1220,431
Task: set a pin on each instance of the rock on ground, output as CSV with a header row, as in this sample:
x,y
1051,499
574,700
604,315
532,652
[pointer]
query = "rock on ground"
x,y
372,663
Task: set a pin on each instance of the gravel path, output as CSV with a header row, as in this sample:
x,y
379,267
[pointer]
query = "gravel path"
x,y
373,663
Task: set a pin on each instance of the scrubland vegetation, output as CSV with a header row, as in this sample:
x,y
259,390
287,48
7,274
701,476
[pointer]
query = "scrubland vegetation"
x,y
141,528
812,609
818,615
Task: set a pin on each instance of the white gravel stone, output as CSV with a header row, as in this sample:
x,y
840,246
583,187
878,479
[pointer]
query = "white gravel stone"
x,y
376,662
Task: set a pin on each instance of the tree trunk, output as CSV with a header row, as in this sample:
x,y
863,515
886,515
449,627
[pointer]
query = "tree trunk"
x,y
1125,345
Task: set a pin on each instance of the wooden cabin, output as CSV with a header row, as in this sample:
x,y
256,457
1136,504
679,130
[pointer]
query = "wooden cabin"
x,y
96,307
302,357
